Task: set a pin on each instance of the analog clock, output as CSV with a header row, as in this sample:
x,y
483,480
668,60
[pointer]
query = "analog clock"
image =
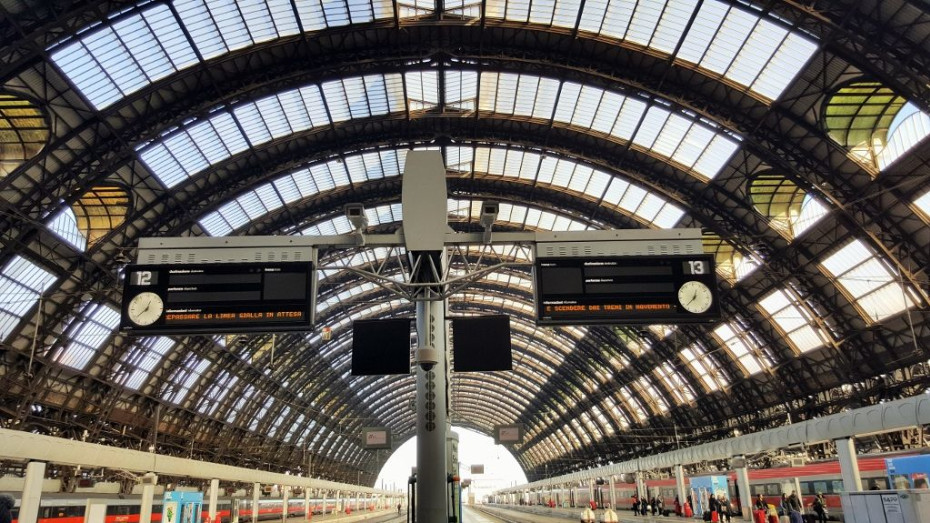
x,y
145,308
695,297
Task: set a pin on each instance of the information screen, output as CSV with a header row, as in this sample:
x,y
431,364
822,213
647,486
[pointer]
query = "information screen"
x,y
217,298
626,290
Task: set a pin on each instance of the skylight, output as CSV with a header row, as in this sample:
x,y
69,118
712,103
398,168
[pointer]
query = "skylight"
x,y
146,356
306,182
732,41
705,367
692,144
88,331
183,153
117,58
909,127
868,280
674,383
793,319
923,205
741,343
64,225
21,284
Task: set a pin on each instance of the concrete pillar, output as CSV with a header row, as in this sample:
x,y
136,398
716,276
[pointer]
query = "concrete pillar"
x,y
307,508
590,491
641,486
32,492
214,494
680,486
148,493
849,464
256,492
745,496
613,494
336,501
285,499
431,415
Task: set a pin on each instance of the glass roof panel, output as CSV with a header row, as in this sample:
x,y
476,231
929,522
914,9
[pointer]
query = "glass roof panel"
x,y
709,371
146,356
793,319
88,331
64,225
21,283
752,51
923,205
868,281
648,208
739,340
674,383
119,58
909,127
182,153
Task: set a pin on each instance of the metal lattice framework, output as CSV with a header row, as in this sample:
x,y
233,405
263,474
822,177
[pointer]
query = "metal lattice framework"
x,y
268,117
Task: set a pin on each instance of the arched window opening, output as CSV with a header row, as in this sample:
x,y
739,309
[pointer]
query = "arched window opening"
x,y
732,265
23,132
877,125
789,208
101,210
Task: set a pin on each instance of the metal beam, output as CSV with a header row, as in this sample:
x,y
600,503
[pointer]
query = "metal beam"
x,y
885,417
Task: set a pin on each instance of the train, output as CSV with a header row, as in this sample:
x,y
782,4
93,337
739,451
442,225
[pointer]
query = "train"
x,y
70,508
879,472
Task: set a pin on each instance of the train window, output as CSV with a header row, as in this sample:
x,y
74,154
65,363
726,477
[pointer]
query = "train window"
x,y
772,489
875,484
156,509
836,486
819,487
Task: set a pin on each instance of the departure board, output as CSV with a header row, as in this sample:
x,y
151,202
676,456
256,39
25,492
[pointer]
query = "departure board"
x,y
626,290
218,298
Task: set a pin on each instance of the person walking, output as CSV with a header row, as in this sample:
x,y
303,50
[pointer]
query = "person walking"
x,y
794,508
820,508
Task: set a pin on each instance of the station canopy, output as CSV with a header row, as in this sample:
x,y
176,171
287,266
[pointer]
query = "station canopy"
x,y
793,135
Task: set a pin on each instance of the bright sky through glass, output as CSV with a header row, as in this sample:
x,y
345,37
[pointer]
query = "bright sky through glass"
x,y
500,467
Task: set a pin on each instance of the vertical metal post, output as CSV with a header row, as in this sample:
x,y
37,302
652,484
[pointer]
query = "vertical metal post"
x,y
431,416
32,492
849,465
256,492
307,508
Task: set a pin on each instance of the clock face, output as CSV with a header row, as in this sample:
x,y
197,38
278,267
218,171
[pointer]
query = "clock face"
x,y
145,308
695,297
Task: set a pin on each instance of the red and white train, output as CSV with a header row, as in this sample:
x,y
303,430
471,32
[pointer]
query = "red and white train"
x,y
821,477
70,508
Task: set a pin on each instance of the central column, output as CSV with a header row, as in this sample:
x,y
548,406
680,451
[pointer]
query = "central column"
x,y
425,222
431,416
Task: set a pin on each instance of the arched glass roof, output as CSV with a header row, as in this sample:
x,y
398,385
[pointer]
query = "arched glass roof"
x,y
795,139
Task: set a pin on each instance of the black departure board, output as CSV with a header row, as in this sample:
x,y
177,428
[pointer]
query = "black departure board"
x,y
626,290
217,298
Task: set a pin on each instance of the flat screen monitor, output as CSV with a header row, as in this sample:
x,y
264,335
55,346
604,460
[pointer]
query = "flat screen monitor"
x,y
481,344
380,347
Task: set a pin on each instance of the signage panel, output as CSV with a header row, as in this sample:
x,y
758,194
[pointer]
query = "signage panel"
x,y
626,290
508,434
376,437
214,298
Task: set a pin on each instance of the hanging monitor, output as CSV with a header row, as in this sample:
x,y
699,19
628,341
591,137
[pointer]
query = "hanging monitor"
x,y
380,347
481,344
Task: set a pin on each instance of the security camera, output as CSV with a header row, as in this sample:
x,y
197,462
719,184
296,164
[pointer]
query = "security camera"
x,y
355,212
489,212
427,358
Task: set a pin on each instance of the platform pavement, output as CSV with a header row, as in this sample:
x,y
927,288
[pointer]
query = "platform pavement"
x,y
546,514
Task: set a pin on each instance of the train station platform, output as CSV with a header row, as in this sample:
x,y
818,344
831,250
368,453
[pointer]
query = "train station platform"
x,y
376,515
542,514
